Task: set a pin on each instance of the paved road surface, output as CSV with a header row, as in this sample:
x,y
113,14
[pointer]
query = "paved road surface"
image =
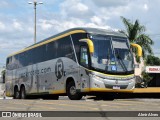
x,y
64,104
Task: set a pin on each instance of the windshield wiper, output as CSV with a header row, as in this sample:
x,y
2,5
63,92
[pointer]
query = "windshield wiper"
x,y
121,61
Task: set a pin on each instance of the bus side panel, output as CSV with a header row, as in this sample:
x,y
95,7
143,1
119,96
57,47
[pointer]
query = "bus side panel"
x,y
48,77
71,69
85,80
9,83
48,81
31,80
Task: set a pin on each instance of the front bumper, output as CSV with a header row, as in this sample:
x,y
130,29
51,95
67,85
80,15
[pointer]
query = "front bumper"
x,y
113,84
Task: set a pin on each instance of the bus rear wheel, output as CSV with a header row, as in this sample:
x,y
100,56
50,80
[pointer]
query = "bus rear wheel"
x,y
72,92
23,93
16,93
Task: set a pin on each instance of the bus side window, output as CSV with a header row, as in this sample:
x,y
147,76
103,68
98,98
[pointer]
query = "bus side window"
x,y
7,61
10,60
84,56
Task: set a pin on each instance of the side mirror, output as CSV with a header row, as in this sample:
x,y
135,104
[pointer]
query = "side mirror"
x,y
90,44
139,49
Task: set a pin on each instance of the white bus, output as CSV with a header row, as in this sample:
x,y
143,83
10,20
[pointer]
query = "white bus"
x,y
76,62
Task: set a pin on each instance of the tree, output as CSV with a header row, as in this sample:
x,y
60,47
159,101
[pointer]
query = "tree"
x,y
152,60
136,34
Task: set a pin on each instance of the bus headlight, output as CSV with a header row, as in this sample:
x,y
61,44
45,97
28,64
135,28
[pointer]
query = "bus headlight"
x,y
96,77
112,77
97,81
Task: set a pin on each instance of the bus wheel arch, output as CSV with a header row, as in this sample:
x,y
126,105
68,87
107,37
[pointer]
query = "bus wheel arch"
x,y
16,92
71,91
22,92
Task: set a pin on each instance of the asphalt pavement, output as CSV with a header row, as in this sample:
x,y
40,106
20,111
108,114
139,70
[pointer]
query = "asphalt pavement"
x,y
65,108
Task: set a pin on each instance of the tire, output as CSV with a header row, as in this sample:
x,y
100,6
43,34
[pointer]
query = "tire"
x,y
22,93
16,94
72,93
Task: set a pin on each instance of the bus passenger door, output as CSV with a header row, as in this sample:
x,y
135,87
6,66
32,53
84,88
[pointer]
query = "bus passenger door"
x,y
84,63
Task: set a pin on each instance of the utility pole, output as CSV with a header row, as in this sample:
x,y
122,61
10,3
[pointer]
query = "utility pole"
x,y
35,3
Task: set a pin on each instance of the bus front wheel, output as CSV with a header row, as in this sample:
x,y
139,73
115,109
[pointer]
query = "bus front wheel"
x,y
72,92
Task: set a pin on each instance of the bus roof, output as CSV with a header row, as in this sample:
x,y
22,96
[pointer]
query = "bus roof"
x,y
69,32
86,30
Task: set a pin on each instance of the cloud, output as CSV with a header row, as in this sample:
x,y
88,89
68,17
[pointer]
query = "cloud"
x,y
45,25
111,3
75,8
96,20
17,25
2,26
61,25
4,4
145,7
15,35
17,21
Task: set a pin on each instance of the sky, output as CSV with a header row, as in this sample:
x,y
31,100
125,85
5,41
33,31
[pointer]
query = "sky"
x,y
54,16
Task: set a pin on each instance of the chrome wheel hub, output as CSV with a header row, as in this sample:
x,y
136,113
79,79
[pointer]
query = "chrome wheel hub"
x,y
73,90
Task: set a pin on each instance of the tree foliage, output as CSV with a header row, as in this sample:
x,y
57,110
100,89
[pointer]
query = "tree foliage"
x,y
136,34
152,60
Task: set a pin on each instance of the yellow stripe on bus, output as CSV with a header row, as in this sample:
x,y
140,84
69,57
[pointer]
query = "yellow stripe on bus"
x,y
122,76
48,41
136,90
106,90
57,91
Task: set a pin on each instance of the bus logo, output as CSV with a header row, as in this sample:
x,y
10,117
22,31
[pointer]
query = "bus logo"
x,y
116,81
59,69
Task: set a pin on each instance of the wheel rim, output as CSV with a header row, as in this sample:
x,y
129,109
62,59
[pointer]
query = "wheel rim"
x,y
22,94
17,94
73,90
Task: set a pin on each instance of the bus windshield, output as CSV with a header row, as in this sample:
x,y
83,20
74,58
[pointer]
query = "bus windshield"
x,y
111,54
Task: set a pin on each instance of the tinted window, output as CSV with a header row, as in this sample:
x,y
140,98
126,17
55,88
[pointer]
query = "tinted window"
x,y
76,37
65,48
7,61
59,48
84,56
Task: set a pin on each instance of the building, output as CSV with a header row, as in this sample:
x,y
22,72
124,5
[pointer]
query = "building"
x,y
154,72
